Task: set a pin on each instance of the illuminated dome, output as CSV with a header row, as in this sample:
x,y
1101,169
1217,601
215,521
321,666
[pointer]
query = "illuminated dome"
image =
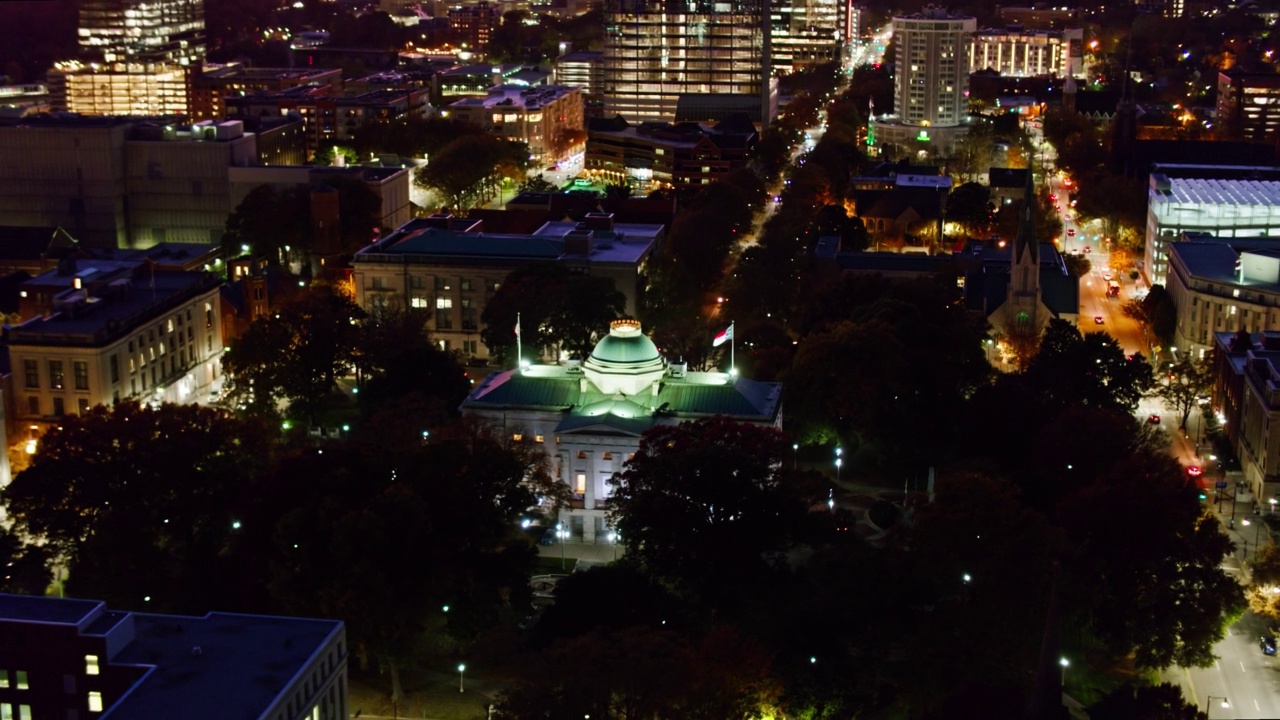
x,y
624,361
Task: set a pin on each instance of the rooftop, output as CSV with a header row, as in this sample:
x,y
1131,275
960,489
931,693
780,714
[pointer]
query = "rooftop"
x,y
512,94
62,611
197,661
1218,191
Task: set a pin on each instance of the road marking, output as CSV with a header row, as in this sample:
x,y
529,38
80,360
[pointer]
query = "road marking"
x,y
1242,667
1256,706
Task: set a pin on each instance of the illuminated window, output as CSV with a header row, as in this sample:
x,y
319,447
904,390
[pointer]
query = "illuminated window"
x,y
4,678
20,681
444,303
518,437
580,483
95,702
90,664
418,301
539,438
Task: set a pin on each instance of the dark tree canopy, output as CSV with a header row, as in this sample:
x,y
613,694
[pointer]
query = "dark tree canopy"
x,y
557,308
140,501
1088,369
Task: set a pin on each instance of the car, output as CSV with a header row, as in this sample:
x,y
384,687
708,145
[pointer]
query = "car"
x,y
548,537
1057,208
1195,471
1153,419
1106,276
1088,249
1267,644
1071,232
1097,319
1053,198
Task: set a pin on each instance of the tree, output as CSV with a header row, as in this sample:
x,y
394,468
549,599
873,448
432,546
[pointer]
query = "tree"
x,y
1079,266
458,171
1158,702
385,540
1090,369
970,206
557,308
702,505
27,566
295,355
1188,381
140,501
267,220
537,184
1263,594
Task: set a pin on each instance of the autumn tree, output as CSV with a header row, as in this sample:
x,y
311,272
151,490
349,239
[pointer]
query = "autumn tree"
x,y
1182,386
294,355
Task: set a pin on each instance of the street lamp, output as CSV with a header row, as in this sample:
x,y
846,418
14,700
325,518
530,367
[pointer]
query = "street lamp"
x,y
561,535
1065,663
1208,703
1257,530
839,464
1272,501
462,668
795,460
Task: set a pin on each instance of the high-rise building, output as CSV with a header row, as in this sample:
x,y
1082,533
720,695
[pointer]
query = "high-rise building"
x,y
808,32
1248,105
712,58
931,86
148,31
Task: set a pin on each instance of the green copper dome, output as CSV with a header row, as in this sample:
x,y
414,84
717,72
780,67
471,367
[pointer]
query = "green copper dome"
x,y
625,345
625,361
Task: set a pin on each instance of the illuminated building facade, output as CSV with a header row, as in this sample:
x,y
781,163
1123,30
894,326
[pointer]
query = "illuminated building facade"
x,y
148,31
548,118
471,25
931,85
120,89
1248,105
1028,53
809,32
655,52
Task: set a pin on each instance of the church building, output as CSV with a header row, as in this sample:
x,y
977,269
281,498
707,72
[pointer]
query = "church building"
x,y
589,415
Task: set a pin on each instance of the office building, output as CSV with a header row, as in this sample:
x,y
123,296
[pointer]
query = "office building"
x,y
142,31
1229,202
677,155
329,118
121,182
468,81
119,89
390,184
1246,374
1248,105
931,84
589,415
809,32
213,83
453,266
471,25
548,118
106,330
63,658
583,70
715,54
1028,53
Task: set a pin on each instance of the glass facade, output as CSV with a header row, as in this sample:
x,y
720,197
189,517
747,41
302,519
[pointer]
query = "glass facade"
x,y
148,31
656,51
808,32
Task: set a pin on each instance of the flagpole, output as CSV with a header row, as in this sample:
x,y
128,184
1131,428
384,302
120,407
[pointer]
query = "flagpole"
x,y
519,346
733,343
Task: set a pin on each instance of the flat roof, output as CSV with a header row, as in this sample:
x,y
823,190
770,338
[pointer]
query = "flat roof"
x,y
30,608
98,321
1225,191
216,667
627,243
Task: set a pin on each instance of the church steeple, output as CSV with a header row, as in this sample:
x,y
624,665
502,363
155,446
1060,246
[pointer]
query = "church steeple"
x,y
1025,242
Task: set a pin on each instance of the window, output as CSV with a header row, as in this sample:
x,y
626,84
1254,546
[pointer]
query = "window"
x,y
4,678
208,315
465,284
538,438
56,379
6,711
580,483
82,404
81,371
59,408
418,301
517,437
95,702
115,368
31,373
24,712
20,681
169,325
444,303
442,283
